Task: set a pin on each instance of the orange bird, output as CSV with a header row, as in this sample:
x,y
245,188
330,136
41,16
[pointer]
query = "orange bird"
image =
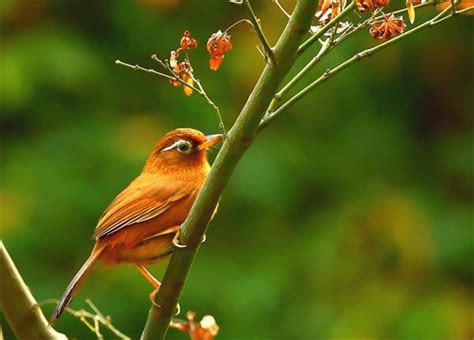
x,y
140,225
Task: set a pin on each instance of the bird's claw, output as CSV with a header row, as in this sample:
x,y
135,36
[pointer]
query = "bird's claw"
x,y
178,245
178,309
153,301
176,241
153,297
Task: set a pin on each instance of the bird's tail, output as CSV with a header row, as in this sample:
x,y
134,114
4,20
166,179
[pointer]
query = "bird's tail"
x,y
73,287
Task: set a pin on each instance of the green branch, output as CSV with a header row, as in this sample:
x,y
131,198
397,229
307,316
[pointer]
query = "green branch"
x,y
355,58
238,140
328,45
258,29
18,305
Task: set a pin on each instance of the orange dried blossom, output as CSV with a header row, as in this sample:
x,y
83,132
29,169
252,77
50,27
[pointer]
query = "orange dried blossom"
x,y
387,28
188,43
206,329
370,5
327,10
218,44
183,72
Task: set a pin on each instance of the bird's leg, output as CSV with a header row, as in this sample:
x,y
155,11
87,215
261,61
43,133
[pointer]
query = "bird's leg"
x,y
149,277
178,245
153,281
156,284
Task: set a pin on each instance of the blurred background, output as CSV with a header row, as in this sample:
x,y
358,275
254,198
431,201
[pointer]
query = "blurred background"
x,y
349,218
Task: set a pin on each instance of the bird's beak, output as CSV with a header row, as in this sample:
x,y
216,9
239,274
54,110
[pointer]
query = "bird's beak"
x,y
210,141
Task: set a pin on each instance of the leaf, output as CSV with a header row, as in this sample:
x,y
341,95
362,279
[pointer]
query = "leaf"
x,y
411,11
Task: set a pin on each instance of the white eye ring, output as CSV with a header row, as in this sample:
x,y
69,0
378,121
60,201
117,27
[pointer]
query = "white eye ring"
x,y
182,146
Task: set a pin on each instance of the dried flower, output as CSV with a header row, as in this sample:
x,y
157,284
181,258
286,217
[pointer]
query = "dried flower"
x,y
387,28
183,71
218,44
370,5
173,59
188,43
381,3
327,10
206,329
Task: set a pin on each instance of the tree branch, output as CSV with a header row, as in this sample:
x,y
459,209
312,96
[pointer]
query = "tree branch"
x,y
355,58
19,306
258,29
284,11
328,45
238,140
376,18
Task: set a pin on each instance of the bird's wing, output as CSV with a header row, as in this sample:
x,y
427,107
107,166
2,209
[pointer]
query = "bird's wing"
x,y
142,200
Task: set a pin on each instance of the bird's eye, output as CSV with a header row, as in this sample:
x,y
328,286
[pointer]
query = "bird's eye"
x,y
184,146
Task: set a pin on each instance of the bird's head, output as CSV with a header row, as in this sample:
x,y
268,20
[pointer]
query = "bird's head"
x,y
181,148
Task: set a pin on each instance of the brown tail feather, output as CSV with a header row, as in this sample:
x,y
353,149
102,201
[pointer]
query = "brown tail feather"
x,y
75,284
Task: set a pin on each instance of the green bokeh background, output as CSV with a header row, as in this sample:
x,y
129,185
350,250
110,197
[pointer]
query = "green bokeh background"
x,y
349,218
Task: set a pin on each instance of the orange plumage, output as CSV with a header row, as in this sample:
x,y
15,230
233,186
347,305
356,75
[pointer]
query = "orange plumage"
x,y
139,225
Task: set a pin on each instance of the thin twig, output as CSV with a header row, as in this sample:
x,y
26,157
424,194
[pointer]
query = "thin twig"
x,y
327,48
237,23
98,319
376,17
200,88
326,28
357,57
210,102
258,29
327,45
281,8
148,70
152,71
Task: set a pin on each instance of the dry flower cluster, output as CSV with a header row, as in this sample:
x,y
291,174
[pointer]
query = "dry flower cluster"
x,y
206,329
387,28
218,44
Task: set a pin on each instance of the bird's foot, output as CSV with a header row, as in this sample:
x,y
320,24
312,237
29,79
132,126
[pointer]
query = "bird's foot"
x,y
153,297
176,241
178,245
177,310
153,301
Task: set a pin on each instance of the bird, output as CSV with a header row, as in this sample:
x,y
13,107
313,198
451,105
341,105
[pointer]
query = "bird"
x,y
142,223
